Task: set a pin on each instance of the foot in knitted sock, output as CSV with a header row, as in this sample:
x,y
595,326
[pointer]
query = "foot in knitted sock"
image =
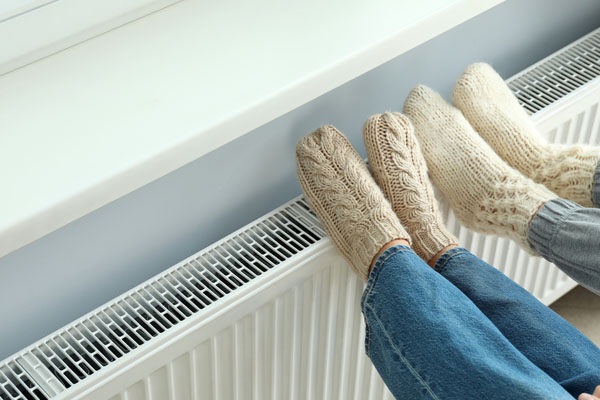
x,y
348,202
491,108
400,171
485,193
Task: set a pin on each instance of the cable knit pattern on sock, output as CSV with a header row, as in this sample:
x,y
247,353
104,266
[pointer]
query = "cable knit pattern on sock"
x,y
492,109
400,171
485,193
348,202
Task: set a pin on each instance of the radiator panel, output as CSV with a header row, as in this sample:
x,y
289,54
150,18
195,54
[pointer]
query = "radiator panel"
x,y
305,343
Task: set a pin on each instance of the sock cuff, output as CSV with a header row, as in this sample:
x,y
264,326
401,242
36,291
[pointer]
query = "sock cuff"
x,y
545,224
596,186
428,242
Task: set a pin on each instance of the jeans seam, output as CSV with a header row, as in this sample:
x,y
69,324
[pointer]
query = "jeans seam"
x,y
377,268
402,358
367,339
370,285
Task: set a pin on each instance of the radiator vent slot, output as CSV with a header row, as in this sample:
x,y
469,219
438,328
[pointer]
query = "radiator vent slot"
x,y
559,74
108,333
16,384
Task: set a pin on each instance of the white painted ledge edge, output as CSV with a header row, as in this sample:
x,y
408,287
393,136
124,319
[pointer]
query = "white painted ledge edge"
x,y
57,25
34,223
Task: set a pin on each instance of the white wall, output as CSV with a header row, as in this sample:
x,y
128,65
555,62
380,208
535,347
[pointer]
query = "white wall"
x,y
77,268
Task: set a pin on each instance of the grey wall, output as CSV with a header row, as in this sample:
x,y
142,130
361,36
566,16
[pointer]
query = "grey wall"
x,y
77,268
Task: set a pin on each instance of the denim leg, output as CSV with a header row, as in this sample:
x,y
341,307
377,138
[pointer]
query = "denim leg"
x,y
545,338
429,341
568,235
596,187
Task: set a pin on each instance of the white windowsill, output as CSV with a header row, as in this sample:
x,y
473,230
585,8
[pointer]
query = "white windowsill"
x,y
94,122
39,28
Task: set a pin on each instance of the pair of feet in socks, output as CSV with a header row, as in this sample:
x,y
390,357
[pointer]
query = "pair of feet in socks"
x,y
485,156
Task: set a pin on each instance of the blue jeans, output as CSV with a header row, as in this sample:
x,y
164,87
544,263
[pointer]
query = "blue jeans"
x,y
568,235
466,331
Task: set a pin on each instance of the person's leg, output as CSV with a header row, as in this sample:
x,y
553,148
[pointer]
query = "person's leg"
x,y
353,210
596,187
429,341
425,337
400,169
568,235
485,193
493,110
562,232
489,196
544,337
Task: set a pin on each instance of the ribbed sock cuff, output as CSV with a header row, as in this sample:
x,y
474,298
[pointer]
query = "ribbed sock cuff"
x,y
430,241
545,224
596,187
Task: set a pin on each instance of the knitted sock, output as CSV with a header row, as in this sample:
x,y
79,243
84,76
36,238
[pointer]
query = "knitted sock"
x,y
400,171
492,109
485,193
340,190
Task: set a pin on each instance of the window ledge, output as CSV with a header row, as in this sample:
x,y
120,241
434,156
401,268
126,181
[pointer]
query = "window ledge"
x,y
96,121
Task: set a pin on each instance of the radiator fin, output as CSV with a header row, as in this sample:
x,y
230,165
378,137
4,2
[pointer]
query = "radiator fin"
x,y
559,74
582,127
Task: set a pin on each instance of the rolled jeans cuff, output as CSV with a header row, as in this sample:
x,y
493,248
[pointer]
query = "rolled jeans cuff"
x,y
596,187
546,224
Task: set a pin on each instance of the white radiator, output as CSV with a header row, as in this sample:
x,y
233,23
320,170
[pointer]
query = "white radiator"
x,y
272,311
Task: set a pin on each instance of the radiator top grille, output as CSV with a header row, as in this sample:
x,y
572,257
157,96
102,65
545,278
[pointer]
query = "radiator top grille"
x,y
107,334
559,74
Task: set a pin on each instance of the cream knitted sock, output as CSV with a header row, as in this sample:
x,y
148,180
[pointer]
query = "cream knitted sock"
x,y
342,193
400,171
485,193
492,109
